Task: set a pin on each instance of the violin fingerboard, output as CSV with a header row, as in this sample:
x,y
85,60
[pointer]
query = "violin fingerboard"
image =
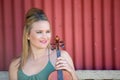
x,y
60,75
58,53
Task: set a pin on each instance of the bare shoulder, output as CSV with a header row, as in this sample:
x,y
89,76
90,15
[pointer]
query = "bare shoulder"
x,y
65,54
15,63
13,68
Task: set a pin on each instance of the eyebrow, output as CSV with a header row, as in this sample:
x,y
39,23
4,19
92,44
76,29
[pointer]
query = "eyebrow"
x,y
43,30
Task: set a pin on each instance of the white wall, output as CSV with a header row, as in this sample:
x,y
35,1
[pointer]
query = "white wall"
x,y
84,74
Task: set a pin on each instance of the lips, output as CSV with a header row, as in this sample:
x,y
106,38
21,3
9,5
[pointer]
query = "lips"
x,y
43,41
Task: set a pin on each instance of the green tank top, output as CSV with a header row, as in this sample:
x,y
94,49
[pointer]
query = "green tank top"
x,y
42,75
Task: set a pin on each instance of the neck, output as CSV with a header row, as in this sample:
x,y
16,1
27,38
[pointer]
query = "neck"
x,y
37,53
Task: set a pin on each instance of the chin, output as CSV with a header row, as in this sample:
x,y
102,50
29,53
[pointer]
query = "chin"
x,y
43,47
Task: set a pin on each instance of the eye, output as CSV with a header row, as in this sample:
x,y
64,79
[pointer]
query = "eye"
x,y
38,31
47,31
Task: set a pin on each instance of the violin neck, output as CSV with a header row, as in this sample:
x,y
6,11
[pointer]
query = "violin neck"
x,y
58,53
59,72
60,75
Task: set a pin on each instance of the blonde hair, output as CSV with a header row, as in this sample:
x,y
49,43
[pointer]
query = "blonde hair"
x,y
33,15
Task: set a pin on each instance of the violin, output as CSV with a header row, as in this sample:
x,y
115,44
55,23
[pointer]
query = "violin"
x,y
59,74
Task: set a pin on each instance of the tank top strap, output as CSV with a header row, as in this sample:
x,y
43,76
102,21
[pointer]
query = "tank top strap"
x,y
48,54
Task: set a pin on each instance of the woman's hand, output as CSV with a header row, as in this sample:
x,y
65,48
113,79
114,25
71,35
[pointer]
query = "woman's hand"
x,y
62,63
65,62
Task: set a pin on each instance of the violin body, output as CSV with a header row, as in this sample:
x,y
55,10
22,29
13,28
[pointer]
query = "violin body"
x,y
54,75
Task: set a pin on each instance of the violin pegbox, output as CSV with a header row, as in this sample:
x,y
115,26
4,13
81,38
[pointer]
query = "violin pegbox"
x,y
57,43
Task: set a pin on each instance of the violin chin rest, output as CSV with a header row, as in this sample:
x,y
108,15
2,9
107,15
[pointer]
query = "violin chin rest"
x,y
54,75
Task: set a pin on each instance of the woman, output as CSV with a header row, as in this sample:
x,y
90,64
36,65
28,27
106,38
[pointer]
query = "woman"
x,y
38,60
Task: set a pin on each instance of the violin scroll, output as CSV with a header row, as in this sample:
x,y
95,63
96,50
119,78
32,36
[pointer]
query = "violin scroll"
x,y
57,43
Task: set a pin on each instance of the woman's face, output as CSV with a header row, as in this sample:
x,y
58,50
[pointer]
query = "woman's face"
x,y
40,34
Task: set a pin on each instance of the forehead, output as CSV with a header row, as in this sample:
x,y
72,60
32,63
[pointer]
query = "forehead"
x,y
40,25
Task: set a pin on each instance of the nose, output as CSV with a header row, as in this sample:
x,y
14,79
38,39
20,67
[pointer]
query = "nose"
x,y
44,35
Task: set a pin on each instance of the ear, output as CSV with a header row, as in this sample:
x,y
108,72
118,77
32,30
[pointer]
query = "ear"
x,y
28,37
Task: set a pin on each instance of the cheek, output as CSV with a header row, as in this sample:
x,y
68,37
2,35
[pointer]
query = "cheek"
x,y
33,38
49,36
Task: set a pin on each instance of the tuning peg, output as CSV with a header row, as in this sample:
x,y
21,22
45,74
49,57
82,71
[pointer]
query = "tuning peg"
x,y
61,41
62,45
52,48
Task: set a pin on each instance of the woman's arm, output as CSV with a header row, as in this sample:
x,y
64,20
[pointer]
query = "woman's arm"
x,y
13,68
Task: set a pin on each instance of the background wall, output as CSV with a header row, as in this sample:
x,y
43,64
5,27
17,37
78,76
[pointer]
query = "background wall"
x,y
89,28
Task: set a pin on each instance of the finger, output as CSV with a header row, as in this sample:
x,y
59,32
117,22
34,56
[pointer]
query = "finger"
x,y
62,67
61,58
61,62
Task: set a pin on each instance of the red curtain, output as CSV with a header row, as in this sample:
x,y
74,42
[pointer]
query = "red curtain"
x,y
89,28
